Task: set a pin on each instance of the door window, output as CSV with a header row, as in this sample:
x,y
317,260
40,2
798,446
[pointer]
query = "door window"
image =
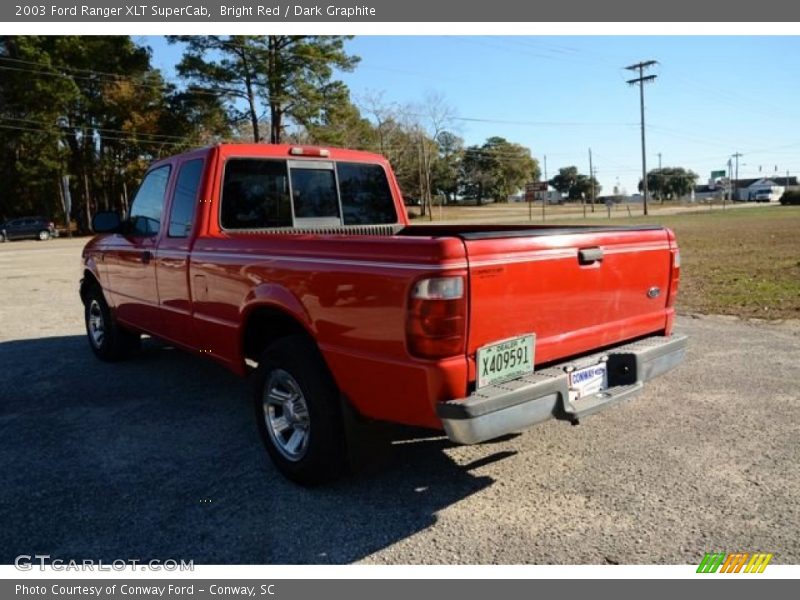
x,y
184,199
255,194
148,204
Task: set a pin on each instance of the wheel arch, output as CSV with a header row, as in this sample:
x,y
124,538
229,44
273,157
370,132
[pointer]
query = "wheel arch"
x,y
265,322
88,280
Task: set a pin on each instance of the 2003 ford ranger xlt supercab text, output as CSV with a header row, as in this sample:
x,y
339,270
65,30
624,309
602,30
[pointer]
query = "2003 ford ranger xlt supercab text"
x,y
299,263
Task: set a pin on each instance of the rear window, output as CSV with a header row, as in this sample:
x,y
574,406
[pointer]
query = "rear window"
x,y
265,193
314,193
366,198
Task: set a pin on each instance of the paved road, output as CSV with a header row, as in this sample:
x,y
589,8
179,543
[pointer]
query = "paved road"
x,y
158,457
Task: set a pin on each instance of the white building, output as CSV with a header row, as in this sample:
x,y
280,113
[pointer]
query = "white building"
x,y
764,189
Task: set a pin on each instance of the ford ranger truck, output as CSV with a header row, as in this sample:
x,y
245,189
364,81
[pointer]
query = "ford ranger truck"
x,y
298,264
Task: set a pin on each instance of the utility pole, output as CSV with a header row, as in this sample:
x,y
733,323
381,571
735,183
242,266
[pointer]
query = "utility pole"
x,y
730,183
591,177
737,155
63,185
660,180
544,198
640,81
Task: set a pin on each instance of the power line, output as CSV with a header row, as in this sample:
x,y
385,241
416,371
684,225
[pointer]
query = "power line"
x,y
91,129
500,156
729,98
544,123
116,78
34,129
68,68
119,79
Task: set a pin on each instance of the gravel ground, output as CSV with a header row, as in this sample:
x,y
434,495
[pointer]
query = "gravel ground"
x,y
158,457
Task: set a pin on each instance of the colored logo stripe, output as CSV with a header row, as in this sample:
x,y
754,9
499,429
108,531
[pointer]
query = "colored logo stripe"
x,y
734,563
711,562
758,563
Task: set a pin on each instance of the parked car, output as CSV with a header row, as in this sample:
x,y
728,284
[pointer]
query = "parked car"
x,y
299,264
27,228
762,196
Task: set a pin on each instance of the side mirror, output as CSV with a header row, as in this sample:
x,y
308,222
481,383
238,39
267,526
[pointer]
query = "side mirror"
x,y
106,222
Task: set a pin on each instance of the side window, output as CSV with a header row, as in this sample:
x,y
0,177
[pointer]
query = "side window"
x,y
366,198
255,194
185,198
149,203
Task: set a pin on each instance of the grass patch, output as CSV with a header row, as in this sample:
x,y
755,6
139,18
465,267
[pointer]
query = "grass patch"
x,y
742,261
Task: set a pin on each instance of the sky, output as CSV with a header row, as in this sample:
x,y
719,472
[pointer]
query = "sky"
x,y
561,95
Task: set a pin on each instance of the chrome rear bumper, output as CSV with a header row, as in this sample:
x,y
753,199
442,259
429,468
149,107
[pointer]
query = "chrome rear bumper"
x,y
496,410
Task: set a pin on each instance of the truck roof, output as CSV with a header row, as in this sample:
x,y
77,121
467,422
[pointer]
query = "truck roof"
x,y
293,151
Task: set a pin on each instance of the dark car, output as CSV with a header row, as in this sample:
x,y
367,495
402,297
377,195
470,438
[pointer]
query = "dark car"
x,y
37,228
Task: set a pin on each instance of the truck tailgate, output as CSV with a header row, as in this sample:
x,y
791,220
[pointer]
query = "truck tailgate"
x,y
575,289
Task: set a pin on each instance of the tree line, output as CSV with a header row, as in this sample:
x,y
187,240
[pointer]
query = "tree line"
x,y
670,183
96,109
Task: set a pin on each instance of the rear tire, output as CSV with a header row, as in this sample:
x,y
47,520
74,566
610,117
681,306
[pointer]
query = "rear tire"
x,y
108,340
44,235
298,412
3,238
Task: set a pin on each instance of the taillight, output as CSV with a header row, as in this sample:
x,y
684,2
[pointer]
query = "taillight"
x,y
675,277
437,315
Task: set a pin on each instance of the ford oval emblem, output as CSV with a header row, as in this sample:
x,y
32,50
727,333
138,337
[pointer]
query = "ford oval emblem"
x,y
654,292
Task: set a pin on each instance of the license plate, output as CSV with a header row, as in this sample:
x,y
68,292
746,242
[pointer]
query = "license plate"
x,y
588,381
505,361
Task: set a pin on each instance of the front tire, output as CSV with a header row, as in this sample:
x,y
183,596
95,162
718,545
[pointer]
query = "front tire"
x,y
108,340
298,412
44,235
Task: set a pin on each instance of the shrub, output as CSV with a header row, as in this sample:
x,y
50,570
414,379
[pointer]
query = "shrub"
x,y
790,197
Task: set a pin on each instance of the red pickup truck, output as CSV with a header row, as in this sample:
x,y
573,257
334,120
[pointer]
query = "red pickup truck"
x,y
298,263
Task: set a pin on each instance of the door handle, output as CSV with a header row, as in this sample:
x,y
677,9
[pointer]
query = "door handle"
x,y
146,256
587,256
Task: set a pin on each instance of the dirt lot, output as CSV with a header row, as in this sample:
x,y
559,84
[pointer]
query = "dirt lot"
x,y
158,457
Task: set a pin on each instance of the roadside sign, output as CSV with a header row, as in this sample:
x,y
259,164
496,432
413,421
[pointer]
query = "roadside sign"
x,y
531,189
536,186
718,174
